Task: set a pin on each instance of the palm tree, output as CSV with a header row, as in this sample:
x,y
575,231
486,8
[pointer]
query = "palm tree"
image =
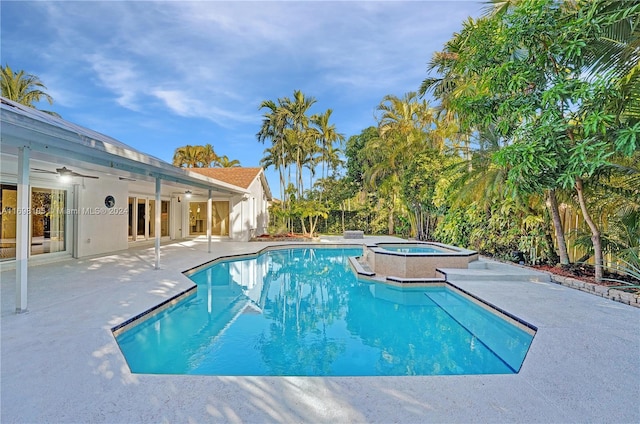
x,y
616,51
273,126
207,156
272,157
298,142
381,172
451,84
328,137
224,162
403,124
407,118
188,156
26,89
311,152
295,112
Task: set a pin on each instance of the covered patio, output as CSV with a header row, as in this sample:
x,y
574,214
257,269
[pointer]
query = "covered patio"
x,y
69,191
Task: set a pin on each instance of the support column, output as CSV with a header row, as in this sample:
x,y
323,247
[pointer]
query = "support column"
x,y
209,213
75,219
22,230
158,209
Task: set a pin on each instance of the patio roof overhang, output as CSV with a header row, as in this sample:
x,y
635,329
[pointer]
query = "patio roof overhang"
x,y
49,137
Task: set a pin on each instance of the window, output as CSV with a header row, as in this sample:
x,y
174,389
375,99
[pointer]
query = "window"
x,y
164,219
197,218
48,220
142,218
142,215
8,205
151,219
132,219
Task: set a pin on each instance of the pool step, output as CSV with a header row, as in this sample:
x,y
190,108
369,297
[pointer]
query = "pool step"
x,y
480,270
487,270
361,266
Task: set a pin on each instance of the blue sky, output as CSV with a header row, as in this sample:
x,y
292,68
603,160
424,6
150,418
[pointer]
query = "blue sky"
x,y
159,75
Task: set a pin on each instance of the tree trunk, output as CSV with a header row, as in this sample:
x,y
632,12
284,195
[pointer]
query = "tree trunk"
x,y
595,232
557,224
551,251
390,222
428,229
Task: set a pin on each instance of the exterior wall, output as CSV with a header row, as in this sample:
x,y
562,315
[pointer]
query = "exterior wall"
x,y
249,213
102,230
262,210
239,230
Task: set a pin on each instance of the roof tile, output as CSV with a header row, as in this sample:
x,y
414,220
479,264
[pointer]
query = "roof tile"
x,y
241,177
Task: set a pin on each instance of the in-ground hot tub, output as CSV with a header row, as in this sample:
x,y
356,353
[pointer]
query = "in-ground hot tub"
x,y
411,248
414,260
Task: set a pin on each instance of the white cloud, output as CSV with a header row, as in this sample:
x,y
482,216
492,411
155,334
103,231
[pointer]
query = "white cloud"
x,y
182,104
217,60
119,76
176,101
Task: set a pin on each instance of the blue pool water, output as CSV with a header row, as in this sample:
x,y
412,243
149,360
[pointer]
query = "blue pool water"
x,y
408,248
302,312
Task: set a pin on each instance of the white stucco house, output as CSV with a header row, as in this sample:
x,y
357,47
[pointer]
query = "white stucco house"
x,y
68,191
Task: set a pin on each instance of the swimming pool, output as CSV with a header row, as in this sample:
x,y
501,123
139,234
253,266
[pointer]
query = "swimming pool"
x,y
302,312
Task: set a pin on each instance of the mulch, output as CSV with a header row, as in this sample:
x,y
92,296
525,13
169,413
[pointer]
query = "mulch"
x,y
282,237
584,273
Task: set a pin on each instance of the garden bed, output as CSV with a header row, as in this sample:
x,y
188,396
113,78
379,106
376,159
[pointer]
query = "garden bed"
x,y
585,273
581,277
293,237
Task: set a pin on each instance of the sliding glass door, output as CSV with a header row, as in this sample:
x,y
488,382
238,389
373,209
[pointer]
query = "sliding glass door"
x,y
8,208
219,218
48,220
142,218
47,224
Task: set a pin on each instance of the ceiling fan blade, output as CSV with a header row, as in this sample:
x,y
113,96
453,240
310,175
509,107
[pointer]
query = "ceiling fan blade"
x,y
46,171
86,176
65,171
77,174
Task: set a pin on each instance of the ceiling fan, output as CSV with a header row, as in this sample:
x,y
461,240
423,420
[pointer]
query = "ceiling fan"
x,y
64,172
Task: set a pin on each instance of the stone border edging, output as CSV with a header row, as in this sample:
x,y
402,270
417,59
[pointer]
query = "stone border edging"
x,y
631,299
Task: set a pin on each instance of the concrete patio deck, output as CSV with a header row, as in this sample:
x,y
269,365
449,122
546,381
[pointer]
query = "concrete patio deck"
x,y
61,364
